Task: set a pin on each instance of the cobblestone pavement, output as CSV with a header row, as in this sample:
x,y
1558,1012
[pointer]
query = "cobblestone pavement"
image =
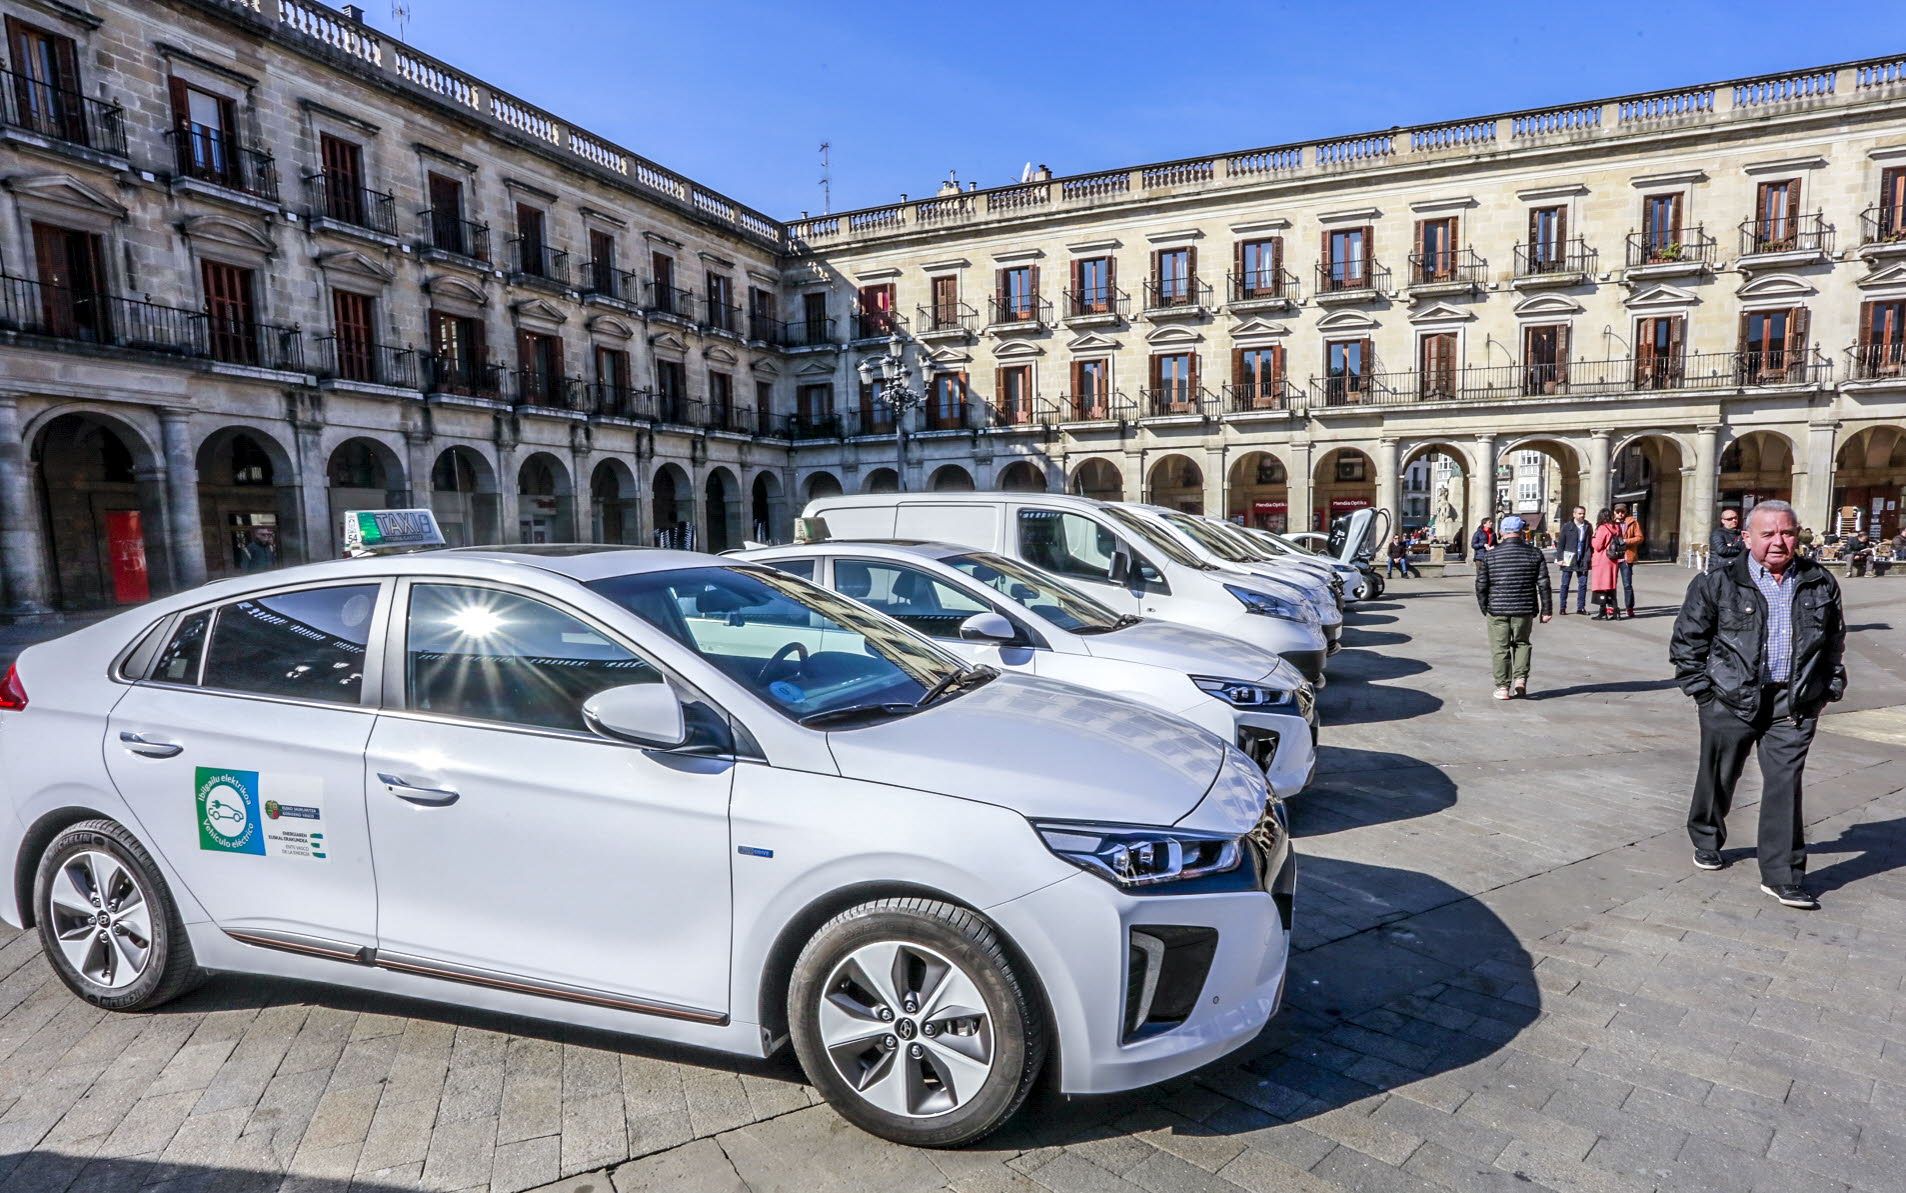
x,y
1507,976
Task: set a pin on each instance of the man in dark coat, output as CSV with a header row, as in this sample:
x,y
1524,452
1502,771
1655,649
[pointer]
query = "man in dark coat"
x,y
1512,587
1724,541
1574,551
1759,647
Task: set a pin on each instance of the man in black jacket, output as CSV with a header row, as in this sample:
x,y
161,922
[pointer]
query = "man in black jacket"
x,y
1724,541
1575,550
1512,587
1758,645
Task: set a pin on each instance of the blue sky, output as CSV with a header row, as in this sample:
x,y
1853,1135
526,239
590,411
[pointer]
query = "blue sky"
x,y
739,95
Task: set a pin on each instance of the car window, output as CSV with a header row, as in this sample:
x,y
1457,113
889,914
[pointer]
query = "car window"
x,y
307,644
910,596
1208,537
1066,544
804,568
179,661
799,647
1167,546
494,656
1056,601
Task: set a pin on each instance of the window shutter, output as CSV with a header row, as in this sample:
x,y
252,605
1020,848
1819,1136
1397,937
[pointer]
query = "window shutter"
x,y
1277,257
1366,261
1034,296
1277,371
181,106
1675,326
1001,399
1793,206
1741,344
1078,381
1561,231
1561,354
1191,269
1323,251
1078,278
1245,283
49,251
1191,377
1156,383
1798,324
1111,277
1674,216
1422,243
1368,352
1867,311
1238,375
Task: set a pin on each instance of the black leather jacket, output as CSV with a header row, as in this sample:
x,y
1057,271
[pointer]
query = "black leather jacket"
x,y
1722,630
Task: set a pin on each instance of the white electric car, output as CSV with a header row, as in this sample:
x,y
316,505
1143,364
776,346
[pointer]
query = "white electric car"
x,y
992,610
1343,578
653,792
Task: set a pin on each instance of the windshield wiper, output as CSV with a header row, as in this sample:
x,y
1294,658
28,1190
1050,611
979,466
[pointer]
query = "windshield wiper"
x,y
1125,621
957,679
854,712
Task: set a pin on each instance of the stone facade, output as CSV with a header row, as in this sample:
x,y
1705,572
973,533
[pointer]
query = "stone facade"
x,y
594,347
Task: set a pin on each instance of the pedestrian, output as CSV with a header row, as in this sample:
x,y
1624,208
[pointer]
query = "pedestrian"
x,y
1631,538
1575,549
1724,541
1603,570
1759,647
1858,552
1512,589
1483,539
1399,558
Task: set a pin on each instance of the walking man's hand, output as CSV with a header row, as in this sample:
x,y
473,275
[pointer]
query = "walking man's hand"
x,y
1545,619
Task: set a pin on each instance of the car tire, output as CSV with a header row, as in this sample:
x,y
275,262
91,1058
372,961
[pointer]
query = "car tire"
x,y
139,956
905,1076
1377,585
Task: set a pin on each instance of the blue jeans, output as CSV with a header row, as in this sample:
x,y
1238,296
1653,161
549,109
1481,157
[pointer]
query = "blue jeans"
x,y
1581,588
1627,571
1396,565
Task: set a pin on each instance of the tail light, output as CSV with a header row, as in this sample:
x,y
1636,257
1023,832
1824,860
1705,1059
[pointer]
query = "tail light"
x,y
12,691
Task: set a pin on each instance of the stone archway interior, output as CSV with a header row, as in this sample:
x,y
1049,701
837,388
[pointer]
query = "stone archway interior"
x,y
1869,482
1539,480
883,480
823,484
1647,479
673,504
1346,480
463,496
105,525
1259,492
766,514
248,507
951,478
614,511
1021,476
1756,467
723,505
1177,481
1100,480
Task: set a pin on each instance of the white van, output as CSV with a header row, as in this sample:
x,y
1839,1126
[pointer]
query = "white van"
x,y
1142,571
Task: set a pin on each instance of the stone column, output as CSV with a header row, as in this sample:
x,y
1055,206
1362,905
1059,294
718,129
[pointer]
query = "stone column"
x,y
1387,482
1298,487
22,530
184,537
1482,486
314,493
1214,478
1595,484
1700,487
1813,478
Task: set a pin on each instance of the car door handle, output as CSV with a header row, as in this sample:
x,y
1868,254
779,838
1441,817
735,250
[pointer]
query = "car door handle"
x,y
435,797
147,747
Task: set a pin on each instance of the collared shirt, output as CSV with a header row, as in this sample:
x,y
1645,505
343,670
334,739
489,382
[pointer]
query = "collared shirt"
x,y
1776,660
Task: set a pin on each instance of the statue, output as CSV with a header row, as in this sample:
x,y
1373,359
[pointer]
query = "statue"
x,y
1446,524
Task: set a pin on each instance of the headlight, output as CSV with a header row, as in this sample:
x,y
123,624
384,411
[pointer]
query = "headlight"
x,y
1269,606
1136,856
1243,693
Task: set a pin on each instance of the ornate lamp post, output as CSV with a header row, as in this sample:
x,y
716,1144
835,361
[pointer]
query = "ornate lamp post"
x,y
895,379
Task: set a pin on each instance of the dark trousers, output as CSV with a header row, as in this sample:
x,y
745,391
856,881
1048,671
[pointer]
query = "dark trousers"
x,y
1627,571
1581,589
1399,563
1782,745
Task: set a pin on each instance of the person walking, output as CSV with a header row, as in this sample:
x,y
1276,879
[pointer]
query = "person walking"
x,y
1512,589
1574,549
1631,536
1483,539
1603,570
1724,541
1759,645
1399,558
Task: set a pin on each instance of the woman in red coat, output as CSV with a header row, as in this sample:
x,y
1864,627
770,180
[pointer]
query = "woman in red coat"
x,y
1604,573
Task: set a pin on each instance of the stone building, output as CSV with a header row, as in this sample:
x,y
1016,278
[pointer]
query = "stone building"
x,y
261,263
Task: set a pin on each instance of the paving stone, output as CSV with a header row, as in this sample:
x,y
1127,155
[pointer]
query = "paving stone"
x,y
698,1167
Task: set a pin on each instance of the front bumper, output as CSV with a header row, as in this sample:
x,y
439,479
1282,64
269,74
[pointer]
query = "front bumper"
x,y
1309,662
1078,934
1283,744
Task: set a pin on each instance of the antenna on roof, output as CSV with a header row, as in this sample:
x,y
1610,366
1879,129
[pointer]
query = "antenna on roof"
x,y
400,17
827,179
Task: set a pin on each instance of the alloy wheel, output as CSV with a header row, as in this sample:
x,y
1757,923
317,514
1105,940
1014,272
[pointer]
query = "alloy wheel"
x,y
101,918
907,1029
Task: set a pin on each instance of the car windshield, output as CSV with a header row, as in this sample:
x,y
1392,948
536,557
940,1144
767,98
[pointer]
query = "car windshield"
x,y
1288,544
1207,536
1232,533
810,653
1167,544
1057,602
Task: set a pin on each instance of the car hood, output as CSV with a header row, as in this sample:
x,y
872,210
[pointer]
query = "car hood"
x,y
1191,650
1044,749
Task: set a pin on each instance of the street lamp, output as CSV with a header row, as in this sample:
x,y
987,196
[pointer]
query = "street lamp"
x,y
891,372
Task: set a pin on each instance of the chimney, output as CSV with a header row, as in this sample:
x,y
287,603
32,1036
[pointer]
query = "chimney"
x,y
952,184
1043,173
354,13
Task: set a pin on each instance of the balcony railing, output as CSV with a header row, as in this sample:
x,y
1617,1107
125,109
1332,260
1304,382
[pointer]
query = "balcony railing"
x,y
1787,234
813,424
241,341
722,316
770,424
676,409
62,115
1575,378
766,329
1103,406
875,421
1556,258
664,299
1343,277
1262,285
211,155
1027,310
613,400
335,198
603,279
470,379
1167,294
808,333
533,258
1246,397
1028,410
1877,362
1884,224
370,364
1355,389
1670,246
61,312
448,232
1171,401
736,420
953,415
1097,301
945,317
869,325
1447,267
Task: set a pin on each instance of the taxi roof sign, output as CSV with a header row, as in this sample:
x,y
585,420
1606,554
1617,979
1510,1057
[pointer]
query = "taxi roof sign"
x,y
387,532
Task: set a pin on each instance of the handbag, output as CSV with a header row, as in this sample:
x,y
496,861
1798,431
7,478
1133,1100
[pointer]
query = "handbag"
x,y
1617,548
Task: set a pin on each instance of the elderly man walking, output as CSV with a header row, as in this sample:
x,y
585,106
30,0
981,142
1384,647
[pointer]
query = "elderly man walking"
x,y
1758,646
1512,588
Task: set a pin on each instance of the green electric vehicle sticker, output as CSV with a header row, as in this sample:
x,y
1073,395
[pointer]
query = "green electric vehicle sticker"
x,y
234,818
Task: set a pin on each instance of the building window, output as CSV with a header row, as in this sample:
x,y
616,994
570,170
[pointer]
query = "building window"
x,y
231,319
1436,366
602,272
45,83
665,298
458,363
671,391
1346,258
1260,268
946,303
876,416
356,335
721,301
1548,237
814,408
946,402
876,311
1174,275
203,124
1661,227
1776,208
1012,396
448,232
1091,388
532,243
721,400
1436,249
1347,366
612,381
764,405
539,361
343,178
1773,343
1257,376
1882,347
1092,286
1018,295
1544,358
1892,205
72,283
814,317
1174,383
1658,348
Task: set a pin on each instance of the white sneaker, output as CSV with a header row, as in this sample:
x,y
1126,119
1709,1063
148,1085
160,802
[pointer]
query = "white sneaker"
x,y
1502,693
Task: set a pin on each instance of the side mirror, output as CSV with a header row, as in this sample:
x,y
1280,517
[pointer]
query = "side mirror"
x,y
643,714
988,627
1121,565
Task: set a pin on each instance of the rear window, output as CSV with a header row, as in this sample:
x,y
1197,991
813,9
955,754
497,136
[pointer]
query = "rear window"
x,y
179,661
306,644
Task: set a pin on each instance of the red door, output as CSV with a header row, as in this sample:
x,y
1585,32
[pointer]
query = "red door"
x,y
126,551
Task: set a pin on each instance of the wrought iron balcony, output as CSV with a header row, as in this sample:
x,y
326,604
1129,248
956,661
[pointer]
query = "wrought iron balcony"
x,y
722,316
1562,260
1175,401
953,415
213,156
949,318
349,359
610,399
240,341
875,420
334,198
62,115
1447,267
83,316
464,378
1345,279
809,333
1176,294
1787,234
1361,388
1266,286
1097,302
1248,397
814,424
448,232
1028,411
676,409
736,420
1883,225
1690,247
664,299
877,324
1877,362
1103,406
764,328
532,258
602,279
1018,310
1779,366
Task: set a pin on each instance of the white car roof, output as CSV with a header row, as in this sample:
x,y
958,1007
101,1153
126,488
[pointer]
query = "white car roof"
x,y
886,548
965,497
